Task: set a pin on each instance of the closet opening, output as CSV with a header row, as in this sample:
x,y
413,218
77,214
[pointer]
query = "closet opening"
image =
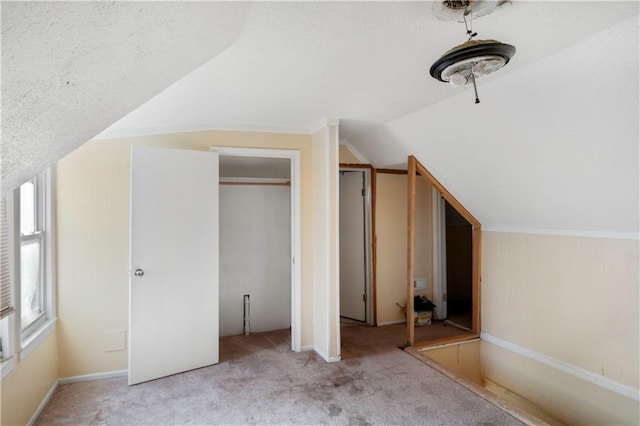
x,y
259,243
456,261
357,282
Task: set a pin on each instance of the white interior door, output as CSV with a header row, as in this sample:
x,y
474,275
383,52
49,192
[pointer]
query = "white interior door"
x,y
173,290
352,246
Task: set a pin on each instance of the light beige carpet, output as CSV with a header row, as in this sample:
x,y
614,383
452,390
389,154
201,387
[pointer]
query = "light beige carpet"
x,y
260,381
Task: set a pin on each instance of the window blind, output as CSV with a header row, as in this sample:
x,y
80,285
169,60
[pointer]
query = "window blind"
x,y
6,301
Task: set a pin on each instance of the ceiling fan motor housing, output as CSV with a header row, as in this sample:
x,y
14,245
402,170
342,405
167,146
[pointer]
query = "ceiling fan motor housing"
x,y
492,54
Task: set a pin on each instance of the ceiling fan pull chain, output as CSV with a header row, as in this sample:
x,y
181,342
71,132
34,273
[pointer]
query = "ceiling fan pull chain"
x,y
475,88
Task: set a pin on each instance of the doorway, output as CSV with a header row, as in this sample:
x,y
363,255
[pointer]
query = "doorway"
x,y
454,226
255,245
453,264
356,271
458,255
260,241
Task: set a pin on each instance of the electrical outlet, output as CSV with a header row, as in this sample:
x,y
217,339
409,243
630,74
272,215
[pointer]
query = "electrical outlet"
x,y
420,283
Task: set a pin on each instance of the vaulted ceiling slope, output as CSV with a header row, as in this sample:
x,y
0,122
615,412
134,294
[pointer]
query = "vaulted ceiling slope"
x,y
71,69
552,145
297,63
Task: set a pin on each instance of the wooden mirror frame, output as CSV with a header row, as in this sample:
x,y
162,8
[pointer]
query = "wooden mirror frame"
x,y
416,168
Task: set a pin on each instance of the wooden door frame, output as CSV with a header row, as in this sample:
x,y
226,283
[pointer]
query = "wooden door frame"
x,y
296,242
415,168
371,291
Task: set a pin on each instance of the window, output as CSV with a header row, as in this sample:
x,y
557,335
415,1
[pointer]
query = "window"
x,y
35,263
31,314
32,245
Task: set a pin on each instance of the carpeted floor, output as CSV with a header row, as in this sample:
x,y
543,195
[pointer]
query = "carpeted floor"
x,y
260,381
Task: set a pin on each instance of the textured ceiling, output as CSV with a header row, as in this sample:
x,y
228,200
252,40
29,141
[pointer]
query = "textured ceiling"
x,y
71,69
554,128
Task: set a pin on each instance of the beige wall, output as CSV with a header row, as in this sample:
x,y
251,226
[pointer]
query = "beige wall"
x,y
346,156
424,236
93,241
26,386
391,235
574,299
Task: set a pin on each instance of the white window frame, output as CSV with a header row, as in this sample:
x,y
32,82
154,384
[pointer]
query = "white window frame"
x,y
40,234
23,342
31,337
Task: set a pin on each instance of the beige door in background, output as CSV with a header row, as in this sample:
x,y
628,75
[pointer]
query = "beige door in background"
x,y
173,291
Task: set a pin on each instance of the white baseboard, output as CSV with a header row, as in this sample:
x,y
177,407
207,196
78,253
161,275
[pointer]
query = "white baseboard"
x,y
565,367
43,404
322,354
326,357
307,348
95,376
381,324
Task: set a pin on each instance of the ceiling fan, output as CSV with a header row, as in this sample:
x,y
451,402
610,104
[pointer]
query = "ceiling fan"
x,y
466,62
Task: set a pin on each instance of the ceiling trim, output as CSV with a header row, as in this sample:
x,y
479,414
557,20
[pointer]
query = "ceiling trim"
x,y
612,235
166,130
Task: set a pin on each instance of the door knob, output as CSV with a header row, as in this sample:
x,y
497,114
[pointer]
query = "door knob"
x,y
138,272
